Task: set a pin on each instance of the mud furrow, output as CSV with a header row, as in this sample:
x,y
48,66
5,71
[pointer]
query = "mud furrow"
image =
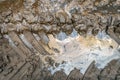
x,y
20,44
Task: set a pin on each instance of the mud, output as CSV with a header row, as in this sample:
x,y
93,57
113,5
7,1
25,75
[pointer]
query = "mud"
x,y
33,34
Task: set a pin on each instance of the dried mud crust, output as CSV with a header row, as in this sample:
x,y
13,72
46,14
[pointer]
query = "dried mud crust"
x,y
23,18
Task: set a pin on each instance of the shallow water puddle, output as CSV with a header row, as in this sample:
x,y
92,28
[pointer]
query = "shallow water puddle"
x,y
78,52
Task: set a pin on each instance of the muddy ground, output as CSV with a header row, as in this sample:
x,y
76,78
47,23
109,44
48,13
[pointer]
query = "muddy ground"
x,y
24,42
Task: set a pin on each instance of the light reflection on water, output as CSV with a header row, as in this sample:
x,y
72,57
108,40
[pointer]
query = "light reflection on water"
x,y
78,52
62,36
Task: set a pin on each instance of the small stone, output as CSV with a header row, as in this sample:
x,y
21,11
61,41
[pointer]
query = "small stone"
x,y
57,64
56,50
49,60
